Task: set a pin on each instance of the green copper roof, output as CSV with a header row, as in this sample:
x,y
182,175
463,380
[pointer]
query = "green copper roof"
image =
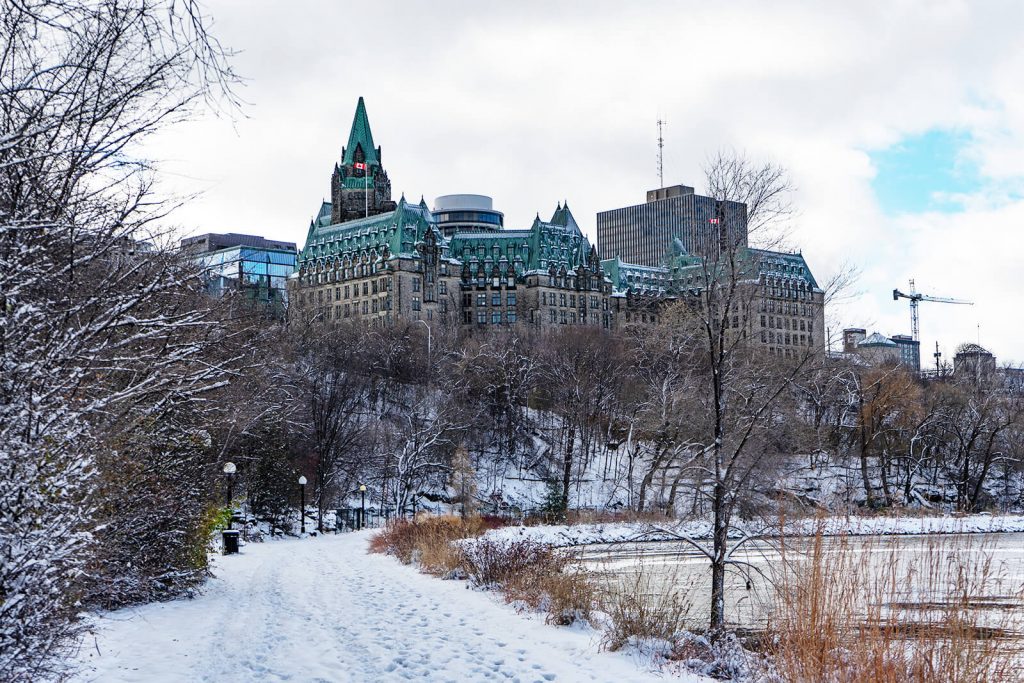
x,y
360,136
384,235
558,243
682,271
636,278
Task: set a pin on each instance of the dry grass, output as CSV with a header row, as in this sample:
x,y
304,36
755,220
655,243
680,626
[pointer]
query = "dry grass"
x,y
864,612
570,596
428,541
498,563
645,610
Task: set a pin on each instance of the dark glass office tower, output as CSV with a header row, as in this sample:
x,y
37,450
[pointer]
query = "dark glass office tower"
x,y
644,233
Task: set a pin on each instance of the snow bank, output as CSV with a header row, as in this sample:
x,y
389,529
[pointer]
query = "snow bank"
x,y
585,534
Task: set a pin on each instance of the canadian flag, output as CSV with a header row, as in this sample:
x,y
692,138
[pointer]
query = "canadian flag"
x,y
713,220
361,167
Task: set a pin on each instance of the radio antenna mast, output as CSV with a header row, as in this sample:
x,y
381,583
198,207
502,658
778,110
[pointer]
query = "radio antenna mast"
x,y
661,154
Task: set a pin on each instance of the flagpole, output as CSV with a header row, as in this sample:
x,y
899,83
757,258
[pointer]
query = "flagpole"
x,y
366,187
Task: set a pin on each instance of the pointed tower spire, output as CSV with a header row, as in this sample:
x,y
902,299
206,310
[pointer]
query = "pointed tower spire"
x,y
360,137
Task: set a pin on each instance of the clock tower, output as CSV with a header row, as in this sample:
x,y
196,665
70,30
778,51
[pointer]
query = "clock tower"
x,y
359,184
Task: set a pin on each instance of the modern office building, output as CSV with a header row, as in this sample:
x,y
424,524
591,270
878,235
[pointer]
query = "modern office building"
x,y
644,233
212,241
253,265
910,351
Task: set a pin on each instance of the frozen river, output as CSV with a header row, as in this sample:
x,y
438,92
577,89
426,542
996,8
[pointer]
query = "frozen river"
x,y
928,571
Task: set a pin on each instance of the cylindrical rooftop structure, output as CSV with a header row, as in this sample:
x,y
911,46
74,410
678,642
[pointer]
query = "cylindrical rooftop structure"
x,y
463,201
456,213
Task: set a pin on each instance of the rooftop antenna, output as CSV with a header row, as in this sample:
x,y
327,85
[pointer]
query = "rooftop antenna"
x,y
661,154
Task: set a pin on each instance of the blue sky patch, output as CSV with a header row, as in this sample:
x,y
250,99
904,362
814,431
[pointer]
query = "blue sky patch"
x,y
912,172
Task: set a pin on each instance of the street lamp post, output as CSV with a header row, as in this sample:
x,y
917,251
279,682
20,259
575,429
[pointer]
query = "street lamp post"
x,y
362,508
229,472
429,337
302,504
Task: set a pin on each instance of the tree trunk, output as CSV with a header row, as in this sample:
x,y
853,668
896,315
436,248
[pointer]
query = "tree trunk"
x,y
883,462
570,446
908,484
864,460
645,483
983,475
670,506
721,541
965,481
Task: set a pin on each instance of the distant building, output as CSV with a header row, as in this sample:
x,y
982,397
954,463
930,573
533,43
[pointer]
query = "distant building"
x,y
643,234
778,304
973,361
250,264
877,349
910,351
213,241
851,337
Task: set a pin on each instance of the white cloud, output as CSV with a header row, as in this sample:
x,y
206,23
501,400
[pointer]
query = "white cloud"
x,y
537,102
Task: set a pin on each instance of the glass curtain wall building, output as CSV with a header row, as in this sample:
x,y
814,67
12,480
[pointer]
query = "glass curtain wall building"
x,y
257,267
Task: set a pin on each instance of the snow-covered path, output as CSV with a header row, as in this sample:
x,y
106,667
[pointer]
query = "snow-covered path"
x,y
322,609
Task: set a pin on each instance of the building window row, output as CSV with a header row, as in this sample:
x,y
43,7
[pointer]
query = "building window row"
x,y
496,317
495,299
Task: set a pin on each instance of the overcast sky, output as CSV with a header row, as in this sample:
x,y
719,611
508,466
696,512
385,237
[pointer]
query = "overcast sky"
x,y
901,123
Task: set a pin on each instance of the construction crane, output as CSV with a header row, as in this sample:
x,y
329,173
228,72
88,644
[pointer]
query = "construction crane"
x,y
915,298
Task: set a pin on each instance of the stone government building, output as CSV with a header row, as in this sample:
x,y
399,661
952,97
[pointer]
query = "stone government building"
x,y
367,257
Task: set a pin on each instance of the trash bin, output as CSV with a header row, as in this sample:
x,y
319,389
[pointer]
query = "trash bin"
x,y
230,541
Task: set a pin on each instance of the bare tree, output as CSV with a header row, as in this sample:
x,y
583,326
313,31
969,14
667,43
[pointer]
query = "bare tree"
x,y
744,392
419,441
334,386
974,420
579,376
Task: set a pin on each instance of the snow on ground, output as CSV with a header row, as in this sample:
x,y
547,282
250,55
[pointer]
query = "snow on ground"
x,y
322,609
618,532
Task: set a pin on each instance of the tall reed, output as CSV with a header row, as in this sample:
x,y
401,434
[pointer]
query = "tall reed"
x,y
850,610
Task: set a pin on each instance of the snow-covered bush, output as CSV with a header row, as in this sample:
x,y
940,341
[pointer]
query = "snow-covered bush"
x,y
156,517
96,330
496,563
